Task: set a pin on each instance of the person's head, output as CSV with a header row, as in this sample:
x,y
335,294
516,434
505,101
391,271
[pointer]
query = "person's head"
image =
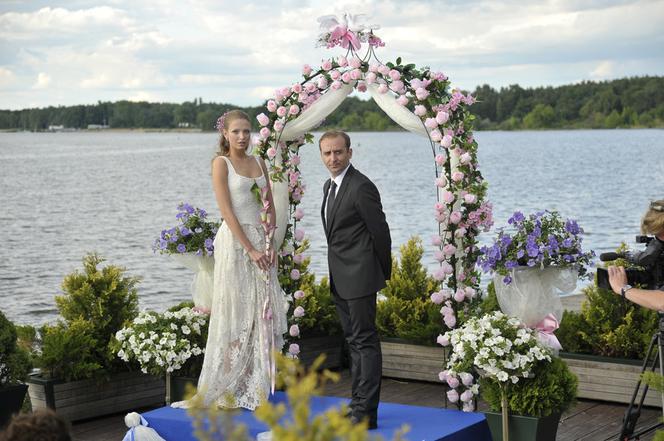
x,y
42,424
335,151
235,129
653,220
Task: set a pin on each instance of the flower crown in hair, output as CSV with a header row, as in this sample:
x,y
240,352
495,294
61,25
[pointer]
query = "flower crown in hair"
x,y
220,122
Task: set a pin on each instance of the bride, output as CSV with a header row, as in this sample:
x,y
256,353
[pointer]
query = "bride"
x,y
248,315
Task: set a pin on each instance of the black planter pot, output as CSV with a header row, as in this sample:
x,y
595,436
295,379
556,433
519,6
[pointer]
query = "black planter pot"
x,y
330,345
179,387
524,428
11,400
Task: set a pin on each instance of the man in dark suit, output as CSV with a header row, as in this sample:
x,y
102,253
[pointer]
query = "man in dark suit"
x,y
360,261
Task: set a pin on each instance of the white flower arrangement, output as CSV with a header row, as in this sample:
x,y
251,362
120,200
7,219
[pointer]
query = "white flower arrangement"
x,y
494,346
163,343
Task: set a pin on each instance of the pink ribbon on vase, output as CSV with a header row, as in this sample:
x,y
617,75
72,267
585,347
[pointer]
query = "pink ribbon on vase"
x,y
268,327
545,329
345,37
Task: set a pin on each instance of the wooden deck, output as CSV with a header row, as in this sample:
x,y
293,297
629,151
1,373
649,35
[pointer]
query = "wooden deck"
x,y
587,421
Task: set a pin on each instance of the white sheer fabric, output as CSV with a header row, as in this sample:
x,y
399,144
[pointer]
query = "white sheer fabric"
x,y
399,114
202,286
281,207
535,292
240,338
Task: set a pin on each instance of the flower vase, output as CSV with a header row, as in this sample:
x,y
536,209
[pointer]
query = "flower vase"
x,y
534,292
202,285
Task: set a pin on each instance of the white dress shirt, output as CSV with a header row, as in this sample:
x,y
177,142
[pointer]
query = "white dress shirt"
x,y
337,180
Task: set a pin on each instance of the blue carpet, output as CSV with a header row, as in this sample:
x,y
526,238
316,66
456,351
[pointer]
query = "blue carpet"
x,y
426,423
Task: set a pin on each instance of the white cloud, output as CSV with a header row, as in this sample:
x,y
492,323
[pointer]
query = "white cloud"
x,y
604,70
43,81
7,77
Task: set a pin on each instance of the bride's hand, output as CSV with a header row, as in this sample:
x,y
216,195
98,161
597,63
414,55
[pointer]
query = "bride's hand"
x,y
261,260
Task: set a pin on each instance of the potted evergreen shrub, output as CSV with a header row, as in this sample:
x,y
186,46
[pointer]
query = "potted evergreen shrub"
x,y
408,321
15,364
79,375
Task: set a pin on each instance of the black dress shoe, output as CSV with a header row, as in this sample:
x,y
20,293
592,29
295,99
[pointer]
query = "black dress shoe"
x,y
373,424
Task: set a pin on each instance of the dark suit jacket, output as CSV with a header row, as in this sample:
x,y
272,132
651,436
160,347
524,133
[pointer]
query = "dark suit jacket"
x,y
358,237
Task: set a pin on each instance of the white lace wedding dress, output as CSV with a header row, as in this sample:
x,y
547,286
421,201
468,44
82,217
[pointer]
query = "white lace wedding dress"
x,y
241,335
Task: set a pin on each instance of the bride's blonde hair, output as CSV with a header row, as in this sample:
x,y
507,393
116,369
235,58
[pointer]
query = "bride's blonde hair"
x,y
222,123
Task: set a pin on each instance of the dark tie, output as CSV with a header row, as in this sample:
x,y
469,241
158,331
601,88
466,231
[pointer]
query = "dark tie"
x,y
330,202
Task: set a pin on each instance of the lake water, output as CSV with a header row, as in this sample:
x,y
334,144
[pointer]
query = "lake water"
x,y
65,194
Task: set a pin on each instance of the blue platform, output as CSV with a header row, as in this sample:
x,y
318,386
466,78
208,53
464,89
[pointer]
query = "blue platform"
x,y
426,423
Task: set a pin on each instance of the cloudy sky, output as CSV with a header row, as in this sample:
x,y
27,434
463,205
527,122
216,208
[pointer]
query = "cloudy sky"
x,y
79,52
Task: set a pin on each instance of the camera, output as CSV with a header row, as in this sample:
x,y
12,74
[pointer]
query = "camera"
x,y
651,259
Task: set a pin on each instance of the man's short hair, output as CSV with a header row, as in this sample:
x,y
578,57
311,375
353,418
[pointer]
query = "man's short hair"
x,y
335,134
42,424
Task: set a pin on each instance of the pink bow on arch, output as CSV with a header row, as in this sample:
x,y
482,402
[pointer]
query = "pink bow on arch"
x,y
545,329
345,37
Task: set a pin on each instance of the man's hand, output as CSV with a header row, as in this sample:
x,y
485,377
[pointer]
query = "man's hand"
x,y
617,278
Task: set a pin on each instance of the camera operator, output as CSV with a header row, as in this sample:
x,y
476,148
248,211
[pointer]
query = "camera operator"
x,y
652,223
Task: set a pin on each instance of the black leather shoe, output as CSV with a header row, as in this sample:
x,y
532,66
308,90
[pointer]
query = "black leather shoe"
x,y
355,420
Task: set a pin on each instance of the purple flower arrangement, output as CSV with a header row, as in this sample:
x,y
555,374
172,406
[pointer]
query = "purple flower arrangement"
x,y
194,234
541,239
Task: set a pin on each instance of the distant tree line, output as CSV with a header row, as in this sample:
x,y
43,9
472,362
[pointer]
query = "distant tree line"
x,y
627,102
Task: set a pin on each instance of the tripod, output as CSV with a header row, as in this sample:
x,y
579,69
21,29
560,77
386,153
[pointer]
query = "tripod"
x,y
633,411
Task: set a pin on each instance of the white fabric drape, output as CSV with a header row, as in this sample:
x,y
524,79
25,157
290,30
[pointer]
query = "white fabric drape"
x,y
202,284
308,119
399,114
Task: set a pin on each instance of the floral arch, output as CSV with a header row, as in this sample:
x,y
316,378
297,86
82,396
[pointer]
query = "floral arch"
x,y
421,102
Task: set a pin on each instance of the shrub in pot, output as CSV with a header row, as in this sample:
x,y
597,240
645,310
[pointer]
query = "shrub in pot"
x,y
15,364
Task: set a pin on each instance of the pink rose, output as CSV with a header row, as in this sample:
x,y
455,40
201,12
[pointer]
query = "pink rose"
x,y
450,321
263,120
448,196
342,61
281,111
370,78
436,240
294,331
446,267
439,255
442,117
345,77
459,295
430,123
437,297
439,274
299,213
455,217
470,292
310,87
294,349
355,74
449,249
468,407
373,67
278,125
420,110
457,176
435,135
298,258
470,198
271,152
336,85
446,293
441,182
355,62
322,83
402,100
466,396
297,88
442,340
335,74
382,88
326,65
384,70
440,217
453,382
295,274
446,310
465,158
272,105
361,86
306,70
466,378
295,160
299,294
446,141
439,207
442,375
265,133
298,312
421,93
394,74
397,86
294,109
441,159
299,234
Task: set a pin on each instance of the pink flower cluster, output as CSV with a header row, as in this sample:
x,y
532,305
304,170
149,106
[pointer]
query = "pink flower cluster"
x,y
456,381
